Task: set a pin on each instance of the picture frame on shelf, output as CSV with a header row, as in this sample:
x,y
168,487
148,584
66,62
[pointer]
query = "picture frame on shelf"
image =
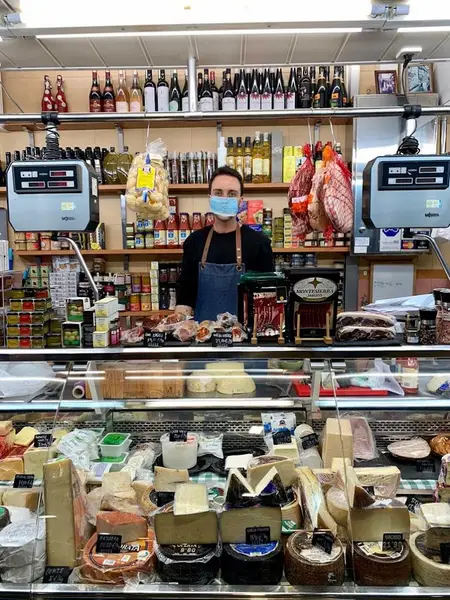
x,y
420,78
386,82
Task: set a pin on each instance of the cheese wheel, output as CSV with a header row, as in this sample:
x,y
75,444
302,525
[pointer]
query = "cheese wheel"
x,y
201,382
380,569
427,571
246,564
291,512
305,564
337,505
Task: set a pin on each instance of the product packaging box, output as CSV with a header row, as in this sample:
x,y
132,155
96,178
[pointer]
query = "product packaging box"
x,y
277,157
255,212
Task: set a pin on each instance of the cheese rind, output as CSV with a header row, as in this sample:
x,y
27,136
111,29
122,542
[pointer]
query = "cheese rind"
x,y
313,501
190,499
337,505
166,479
370,524
129,526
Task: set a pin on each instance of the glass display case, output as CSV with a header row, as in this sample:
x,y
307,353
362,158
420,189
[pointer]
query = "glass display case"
x,y
258,471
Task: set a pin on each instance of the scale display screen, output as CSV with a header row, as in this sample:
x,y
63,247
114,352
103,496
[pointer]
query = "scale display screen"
x,y
40,178
407,175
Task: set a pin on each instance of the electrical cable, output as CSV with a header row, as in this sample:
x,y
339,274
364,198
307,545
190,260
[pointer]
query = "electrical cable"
x,y
409,145
52,150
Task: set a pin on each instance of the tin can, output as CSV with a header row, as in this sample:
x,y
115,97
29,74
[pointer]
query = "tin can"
x,y
146,288
135,302
33,245
146,303
136,284
31,236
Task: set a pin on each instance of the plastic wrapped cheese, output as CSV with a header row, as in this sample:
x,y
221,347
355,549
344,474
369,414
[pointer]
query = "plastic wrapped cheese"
x,y
201,382
21,542
231,384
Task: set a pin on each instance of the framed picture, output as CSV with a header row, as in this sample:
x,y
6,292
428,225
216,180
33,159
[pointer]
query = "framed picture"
x,y
420,78
386,82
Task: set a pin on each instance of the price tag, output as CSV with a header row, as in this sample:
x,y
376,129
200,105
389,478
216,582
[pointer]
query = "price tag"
x,y
108,543
324,539
222,339
309,441
56,574
425,465
445,552
282,437
43,440
257,535
154,339
393,541
178,435
412,503
370,489
23,480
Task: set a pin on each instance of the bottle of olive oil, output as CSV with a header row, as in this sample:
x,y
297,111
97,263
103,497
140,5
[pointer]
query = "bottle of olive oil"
x,y
257,160
231,157
266,158
110,166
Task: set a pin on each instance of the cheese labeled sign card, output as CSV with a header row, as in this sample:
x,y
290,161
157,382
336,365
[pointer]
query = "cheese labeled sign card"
x,y
23,480
56,574
393,541
324,539
43,440
257,535
154,339
108,543
309,441
282,436
178,435
425,465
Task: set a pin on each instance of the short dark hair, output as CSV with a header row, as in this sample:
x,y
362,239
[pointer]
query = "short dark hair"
x,y
227,171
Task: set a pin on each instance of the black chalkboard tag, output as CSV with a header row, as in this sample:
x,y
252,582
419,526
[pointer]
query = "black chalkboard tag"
x,y
324,539
369,489
283,436
412,503
178,435
309,441
23,480
56,574
393,541
425,465
445,552
43,440
154,339
257,535
108,543
222,339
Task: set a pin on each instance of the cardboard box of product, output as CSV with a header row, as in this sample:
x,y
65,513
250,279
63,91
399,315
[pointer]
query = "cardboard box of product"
x,y
255,212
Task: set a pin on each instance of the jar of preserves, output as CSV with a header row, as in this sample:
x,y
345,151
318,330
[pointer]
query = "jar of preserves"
x,y
427,330
149,240
140,224
139,240
146,302
145,283
136,283
163,275
135,302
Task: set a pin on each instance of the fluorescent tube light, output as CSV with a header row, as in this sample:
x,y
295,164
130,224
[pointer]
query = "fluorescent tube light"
x,y
431,29
202,32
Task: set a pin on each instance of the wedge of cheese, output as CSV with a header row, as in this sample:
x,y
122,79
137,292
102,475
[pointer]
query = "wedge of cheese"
x,y
190,499
259,466
34,460
22,498
358,497
166,479
313,501
10,467
186,529
370,524
5,427
129,526
337,441
385,480
234,524
25,436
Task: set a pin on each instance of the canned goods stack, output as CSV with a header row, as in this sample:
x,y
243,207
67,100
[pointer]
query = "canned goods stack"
x,y
28,319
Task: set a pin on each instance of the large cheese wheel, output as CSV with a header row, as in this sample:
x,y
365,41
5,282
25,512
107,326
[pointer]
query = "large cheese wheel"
x,y
337,505
380,569
427,571
245,564
306,564
193,564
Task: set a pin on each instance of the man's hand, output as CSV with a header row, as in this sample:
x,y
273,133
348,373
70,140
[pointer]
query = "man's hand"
x,y
182,309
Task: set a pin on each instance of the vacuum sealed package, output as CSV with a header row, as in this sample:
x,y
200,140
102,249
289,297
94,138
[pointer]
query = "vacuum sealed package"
x,y
147,191
262,299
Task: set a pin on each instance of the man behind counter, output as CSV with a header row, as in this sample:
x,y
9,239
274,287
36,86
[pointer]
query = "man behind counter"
x,y
214,258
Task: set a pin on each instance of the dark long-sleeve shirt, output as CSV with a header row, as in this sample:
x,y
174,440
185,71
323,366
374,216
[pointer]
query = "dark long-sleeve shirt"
x,y
256,256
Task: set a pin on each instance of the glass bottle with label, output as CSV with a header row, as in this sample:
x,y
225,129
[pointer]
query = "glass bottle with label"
x,y
345,101
312,76
192,171
149,92
266,159
215,91
291,94
257,160
109,98
61,102
248,160
185,94
206,97
321,97
95,97
231,157
228,99
279,100
136,103
175,93
239,157
123,165
304,91
199,84
122,96
162,92
110,166
242,97
236,82
267,94
255,96
336,98
222,87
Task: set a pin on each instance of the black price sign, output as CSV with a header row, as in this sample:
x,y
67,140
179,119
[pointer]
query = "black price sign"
x,y
445,552
154,339
324,539
412,503
369,489
257,535
56,574
23,480
178,435
108,543
309,441
43,440
222,339
425,465
282,437
393,541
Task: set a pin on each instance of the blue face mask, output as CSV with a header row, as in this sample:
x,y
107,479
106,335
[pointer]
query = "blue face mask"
x,y
224,207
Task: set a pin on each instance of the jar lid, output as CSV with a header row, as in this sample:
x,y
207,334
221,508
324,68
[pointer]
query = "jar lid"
x,y
445,296
428,314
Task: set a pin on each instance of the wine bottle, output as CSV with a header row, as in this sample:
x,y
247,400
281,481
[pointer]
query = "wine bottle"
x,y
61,102
236,83
279,95
199,84
291,94
185,94
345,100
206,98
163,92
95,98
136,100
242,97
122,97
312,75
304,91
228,100
255,96
336,98
109,98
149,92
267,94
321,96
222,87
215,91
174,94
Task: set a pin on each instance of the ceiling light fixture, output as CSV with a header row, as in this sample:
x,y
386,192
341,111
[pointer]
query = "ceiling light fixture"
x,y
431,29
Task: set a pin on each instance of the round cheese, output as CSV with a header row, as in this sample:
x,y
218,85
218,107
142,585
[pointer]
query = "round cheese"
x,y
337,505
375,567
231,384
427,570
245,564
306,564
194,564
201,382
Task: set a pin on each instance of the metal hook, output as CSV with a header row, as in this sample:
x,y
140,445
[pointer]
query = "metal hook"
x,y
148,135
309,133
332,133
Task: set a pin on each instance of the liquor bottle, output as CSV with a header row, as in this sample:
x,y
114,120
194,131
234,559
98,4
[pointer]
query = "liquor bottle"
x,y
231,159
239,157
257,160
206,98
248,81
163,92
98,164
222,86
185,94
320,97
122,96
267,94
272,80
248,160
260,81
61,102
37,153
88,156
199,85
236,83
304,91
228,100
291,94
24,155
312,76
215,91
8,159
279,95
242,97
327,71
175,93
265,151
109,98
48,102
149,92
336,98
136,102
345,100
16,155
255,96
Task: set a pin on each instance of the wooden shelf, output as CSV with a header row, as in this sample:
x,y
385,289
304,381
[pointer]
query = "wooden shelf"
x,y
143,313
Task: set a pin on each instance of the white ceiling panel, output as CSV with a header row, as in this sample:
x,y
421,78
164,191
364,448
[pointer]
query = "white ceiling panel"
x,y
120,51
366,46
219,50
73,52
266,50
26,53
427,41
444,50
167,51
316,49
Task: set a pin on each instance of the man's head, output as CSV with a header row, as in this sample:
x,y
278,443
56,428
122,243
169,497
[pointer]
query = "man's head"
x,y
226,189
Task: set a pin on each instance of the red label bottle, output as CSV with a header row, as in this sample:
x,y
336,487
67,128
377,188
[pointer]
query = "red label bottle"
x,y
61,102
48,102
